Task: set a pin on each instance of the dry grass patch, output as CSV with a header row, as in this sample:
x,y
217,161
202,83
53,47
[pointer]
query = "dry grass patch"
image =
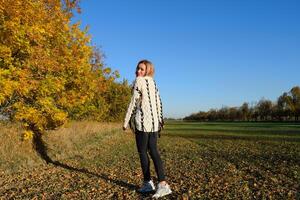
x,y
68,141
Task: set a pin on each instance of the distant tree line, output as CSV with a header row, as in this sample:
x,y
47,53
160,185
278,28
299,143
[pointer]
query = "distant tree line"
x,y
286,108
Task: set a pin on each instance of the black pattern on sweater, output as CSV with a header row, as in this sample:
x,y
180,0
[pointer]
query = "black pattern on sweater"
x,y
147,83
156,93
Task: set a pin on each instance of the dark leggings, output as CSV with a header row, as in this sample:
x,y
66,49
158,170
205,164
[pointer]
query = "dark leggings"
x,y
148,142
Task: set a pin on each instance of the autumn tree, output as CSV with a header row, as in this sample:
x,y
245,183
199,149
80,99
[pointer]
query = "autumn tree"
x,y
293,101
45,62
282,106
49,71
223,113
244,109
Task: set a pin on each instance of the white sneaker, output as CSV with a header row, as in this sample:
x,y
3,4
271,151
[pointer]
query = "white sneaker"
x,y
147,187
162,190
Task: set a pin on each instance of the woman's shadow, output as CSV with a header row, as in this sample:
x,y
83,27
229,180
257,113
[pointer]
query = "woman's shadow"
x,y
41,148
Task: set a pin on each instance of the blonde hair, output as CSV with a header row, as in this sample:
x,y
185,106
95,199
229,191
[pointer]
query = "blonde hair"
x,y
149,67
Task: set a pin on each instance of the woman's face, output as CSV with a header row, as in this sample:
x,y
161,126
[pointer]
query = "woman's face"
x,y
141,71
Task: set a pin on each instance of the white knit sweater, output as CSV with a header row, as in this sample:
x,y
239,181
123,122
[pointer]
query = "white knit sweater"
x,y
146,105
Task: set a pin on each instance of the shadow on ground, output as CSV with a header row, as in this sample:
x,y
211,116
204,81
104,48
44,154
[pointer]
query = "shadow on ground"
x,y
41,149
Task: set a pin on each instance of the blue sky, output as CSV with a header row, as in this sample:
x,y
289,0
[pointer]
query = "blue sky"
x,y
207,53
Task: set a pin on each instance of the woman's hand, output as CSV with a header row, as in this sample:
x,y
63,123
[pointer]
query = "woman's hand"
x,y
162,124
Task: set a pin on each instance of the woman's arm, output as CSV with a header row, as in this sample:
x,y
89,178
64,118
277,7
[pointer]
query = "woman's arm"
x,y
133,102
159,107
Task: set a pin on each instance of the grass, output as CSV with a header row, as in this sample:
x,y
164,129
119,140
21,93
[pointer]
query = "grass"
x,y
202,161
247,131
265,155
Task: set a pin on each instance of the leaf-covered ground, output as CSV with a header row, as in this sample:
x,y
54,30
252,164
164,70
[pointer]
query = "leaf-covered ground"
x,y
103,164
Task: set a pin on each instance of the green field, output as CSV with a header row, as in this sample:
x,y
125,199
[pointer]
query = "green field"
x,y
231,130
202,161
246,160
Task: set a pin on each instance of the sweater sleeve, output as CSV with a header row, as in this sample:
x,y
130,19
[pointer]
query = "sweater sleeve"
x,y
159,106
137,92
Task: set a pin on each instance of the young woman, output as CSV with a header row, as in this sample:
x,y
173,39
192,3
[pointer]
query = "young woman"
x,y
146,109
